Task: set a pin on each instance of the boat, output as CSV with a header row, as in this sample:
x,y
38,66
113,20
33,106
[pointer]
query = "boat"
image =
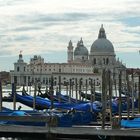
x,y
20,113
59,97
42,103
133,123
59,119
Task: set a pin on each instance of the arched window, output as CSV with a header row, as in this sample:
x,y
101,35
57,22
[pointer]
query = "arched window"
x,y
107,61
94,60
17,68
103,60
59,70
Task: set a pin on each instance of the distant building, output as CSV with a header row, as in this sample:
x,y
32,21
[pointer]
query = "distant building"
x,y
134,73
101,55
5,77
38,70
80,64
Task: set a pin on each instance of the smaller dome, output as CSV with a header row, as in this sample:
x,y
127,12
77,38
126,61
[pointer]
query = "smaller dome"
x,y
81,49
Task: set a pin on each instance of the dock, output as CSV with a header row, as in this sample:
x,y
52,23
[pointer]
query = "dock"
x,y
76,131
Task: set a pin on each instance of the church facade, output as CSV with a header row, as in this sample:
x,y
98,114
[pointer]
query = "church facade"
x,y
81,64
101,55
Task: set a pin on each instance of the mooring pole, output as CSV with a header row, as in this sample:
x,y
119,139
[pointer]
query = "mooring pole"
x,y
132,75
14,95
72,88
91,94
76,89
30,88
103,98
110,94
59,84
120,99
80,83
67,88
91,90
139,94
0,95
94,94
128,96
86,89
70,91
51,91
34,99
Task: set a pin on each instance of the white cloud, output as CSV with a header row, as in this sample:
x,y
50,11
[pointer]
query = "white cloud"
x,y
38,26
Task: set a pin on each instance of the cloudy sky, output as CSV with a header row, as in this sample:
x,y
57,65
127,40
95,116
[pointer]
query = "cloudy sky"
x,y
44,27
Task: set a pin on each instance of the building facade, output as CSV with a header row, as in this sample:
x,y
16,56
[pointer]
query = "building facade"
x,y
38,70
81,64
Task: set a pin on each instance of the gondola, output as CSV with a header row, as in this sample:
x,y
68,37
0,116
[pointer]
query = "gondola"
x,y
45,104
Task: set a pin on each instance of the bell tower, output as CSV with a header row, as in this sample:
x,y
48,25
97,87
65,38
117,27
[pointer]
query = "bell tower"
x,y
70,52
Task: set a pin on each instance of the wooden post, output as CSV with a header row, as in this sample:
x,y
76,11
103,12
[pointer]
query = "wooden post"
x,y
14,95
114,81
110,94
0,95
86,89
34,99
58,94
30,88
59,84
94,95
139,94
91,90
46,90
72,88
51,92
80,88
91,94
128,96
70,91
67,88
103,99
132,76
120,99
76,89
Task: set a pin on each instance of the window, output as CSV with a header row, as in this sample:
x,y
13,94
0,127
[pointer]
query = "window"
x,y
17,68
103,60
15,79
94,61
107,61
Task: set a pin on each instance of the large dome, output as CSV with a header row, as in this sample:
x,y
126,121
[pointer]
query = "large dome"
x,y
81,49
102,45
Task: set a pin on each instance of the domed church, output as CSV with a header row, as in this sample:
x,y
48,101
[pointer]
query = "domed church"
x,y
101,55
81,64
